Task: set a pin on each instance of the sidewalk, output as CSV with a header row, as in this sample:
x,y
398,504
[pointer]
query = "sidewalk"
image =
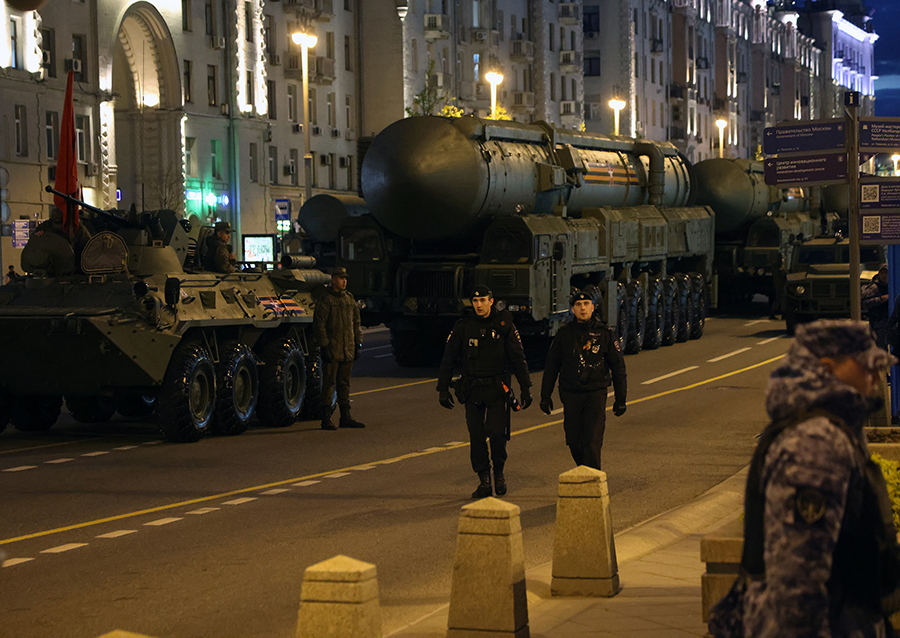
x,y
659,570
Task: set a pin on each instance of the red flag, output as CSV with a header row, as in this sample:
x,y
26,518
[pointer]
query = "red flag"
x,y
67,164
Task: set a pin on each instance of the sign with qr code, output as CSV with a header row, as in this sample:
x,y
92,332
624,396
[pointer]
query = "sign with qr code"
x,y
880,227
879,192
879,134
809,170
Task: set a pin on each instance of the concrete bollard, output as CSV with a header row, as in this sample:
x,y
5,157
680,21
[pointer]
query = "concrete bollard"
x,y
118,633
339,598
487,592
584,552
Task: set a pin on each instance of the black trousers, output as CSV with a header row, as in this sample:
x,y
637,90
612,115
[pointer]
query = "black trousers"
x,y
584,421
336,374
486,418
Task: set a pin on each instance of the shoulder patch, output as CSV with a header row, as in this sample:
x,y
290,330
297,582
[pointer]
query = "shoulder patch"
x,y
810,504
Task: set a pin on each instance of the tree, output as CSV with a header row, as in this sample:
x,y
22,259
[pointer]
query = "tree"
x,y
426,100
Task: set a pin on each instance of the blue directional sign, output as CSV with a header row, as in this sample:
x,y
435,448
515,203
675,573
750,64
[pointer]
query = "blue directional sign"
x,y
21,231
879,134
880,226
805,138
809,170
879,192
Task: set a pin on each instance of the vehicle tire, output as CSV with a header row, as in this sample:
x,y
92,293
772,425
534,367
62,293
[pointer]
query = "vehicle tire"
x,y
656,308
621,314
90,409
636,318
237,389
698,300
187,400
142,405
672,309
408,347
685,308
312,403
282,383
35,414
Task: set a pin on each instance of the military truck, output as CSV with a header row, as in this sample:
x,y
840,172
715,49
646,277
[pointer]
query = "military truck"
x,y
124,319
817,282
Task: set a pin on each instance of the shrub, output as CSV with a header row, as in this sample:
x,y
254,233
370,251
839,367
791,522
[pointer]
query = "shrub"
x,y
891,471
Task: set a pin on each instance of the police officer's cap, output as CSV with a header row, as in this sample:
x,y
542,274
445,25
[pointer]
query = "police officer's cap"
x,y
482,291
844,338
580,296
340,271
223,226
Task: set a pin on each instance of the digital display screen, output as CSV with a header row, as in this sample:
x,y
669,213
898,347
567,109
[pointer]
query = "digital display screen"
x,y
258,248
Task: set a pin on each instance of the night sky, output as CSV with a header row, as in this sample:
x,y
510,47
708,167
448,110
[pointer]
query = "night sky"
x,y
886,20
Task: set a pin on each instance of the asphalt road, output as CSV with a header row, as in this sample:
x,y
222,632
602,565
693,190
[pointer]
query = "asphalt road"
x,y
107,527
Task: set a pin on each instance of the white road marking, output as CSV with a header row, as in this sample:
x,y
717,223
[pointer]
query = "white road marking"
x,y
59,461
95,454
9,562
382,356
306,483
162,521
203,510
753,323
670,375
151,442
240,501
725,356
63,548
277,491
364,468
125,447
336,475
556,411
764,342
117,534
20,468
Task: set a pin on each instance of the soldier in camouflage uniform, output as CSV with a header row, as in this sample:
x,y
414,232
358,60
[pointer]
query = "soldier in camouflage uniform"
x,y
826,551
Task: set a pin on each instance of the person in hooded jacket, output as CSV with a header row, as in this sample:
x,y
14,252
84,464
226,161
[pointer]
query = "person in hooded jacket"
x,y
586,357
874,302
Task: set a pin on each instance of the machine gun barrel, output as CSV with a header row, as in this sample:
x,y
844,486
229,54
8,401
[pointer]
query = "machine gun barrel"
x,y
113,218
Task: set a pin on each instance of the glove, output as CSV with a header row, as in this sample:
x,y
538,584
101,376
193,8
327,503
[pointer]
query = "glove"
x,y
326,356
446,399
619,408
547,406
526,399
357,352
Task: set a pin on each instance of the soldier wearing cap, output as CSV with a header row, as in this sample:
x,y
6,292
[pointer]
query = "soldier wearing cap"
x,y
339,335
874,301
487,347
219,256
820,549
586,357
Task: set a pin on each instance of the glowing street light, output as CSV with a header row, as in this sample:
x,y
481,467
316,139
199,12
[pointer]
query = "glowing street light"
x,y
306,41
494,79
721,124
895,158
616,106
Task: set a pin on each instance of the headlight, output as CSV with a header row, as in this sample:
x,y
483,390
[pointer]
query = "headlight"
x,y
800,290
514,308
500,305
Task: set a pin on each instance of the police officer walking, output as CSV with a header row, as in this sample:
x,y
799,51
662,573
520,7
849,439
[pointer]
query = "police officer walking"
x,y
487,347
585,355
339,335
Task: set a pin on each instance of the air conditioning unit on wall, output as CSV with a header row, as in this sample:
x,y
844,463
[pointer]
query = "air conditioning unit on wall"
x,y
73,65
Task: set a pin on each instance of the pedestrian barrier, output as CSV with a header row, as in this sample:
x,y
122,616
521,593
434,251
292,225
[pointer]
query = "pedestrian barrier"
x,y
339,598
487,591
584,551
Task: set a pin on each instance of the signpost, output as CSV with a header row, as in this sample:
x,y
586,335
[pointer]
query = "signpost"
x,y
21,231
828,135
809,170
879,135
283,215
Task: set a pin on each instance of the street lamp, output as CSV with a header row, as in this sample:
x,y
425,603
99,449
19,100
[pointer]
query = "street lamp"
x,y
305,41
721,124
616,106
895,158
494,79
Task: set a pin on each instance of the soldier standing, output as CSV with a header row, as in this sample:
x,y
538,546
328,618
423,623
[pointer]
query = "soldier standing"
x,y
339,335
585,355
488,347
219,255
820,549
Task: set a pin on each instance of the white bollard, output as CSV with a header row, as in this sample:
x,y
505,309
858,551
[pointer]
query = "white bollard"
x,y
487,593
584,552
338,599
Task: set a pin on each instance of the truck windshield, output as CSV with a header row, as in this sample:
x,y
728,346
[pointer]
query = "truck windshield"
x,y
361,244
507,246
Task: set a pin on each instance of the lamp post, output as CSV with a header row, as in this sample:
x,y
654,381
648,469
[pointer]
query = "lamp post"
x,y
494,79
721,124
895,158
616,106
305,41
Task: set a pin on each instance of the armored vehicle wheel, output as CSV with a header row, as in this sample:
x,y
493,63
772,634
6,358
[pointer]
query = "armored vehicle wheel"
x,y
685,308
672,303
237,388
621,314
312,408
656,308
698,300
90,409
282,383
636,318
35,414
136,406
186,401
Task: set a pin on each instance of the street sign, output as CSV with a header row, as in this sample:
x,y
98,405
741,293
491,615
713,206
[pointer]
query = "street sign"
x,y
879,134
880,226
879,192
283,215
809,170
805,138
21,231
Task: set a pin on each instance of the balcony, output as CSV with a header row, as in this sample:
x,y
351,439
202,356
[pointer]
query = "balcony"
x,y
293,69
325,10
437,26
569,61
719,104
523,101
569,13
521,50
676,132
324,70
676,91
440,81
656,45
570,111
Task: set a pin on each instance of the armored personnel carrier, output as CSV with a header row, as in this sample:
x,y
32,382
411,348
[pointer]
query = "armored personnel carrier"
x,y
123,319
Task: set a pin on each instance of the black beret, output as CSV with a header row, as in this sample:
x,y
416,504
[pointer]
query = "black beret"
x,y
580,296
482,291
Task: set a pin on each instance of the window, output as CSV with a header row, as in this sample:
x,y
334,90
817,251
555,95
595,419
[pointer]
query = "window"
x,y
254,162
350,172
476,67
348,65
271,94
210,18
476,13
273,164
79,52
292,102
348,108
311,105
553,87
51,133
294,162
637,66
591,19
211,93
248,22
329,105
329,45
15,27
187,81
332,171
552,41
190,157
592,65
215,158
267,35
82,126
186,15
48,44
21,131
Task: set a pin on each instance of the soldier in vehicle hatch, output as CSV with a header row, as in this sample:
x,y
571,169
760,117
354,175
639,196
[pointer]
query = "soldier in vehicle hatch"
x,y
585,355
219,255
487,347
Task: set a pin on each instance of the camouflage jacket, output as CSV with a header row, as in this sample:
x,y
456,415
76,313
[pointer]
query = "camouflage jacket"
x,y
218,255
336,324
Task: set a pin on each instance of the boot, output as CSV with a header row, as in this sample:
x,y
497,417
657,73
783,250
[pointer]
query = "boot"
x,y
327,423
499,482
484,488
348,421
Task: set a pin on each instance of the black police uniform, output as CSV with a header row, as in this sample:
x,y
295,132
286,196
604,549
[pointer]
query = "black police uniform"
x,y
586,357
486,348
